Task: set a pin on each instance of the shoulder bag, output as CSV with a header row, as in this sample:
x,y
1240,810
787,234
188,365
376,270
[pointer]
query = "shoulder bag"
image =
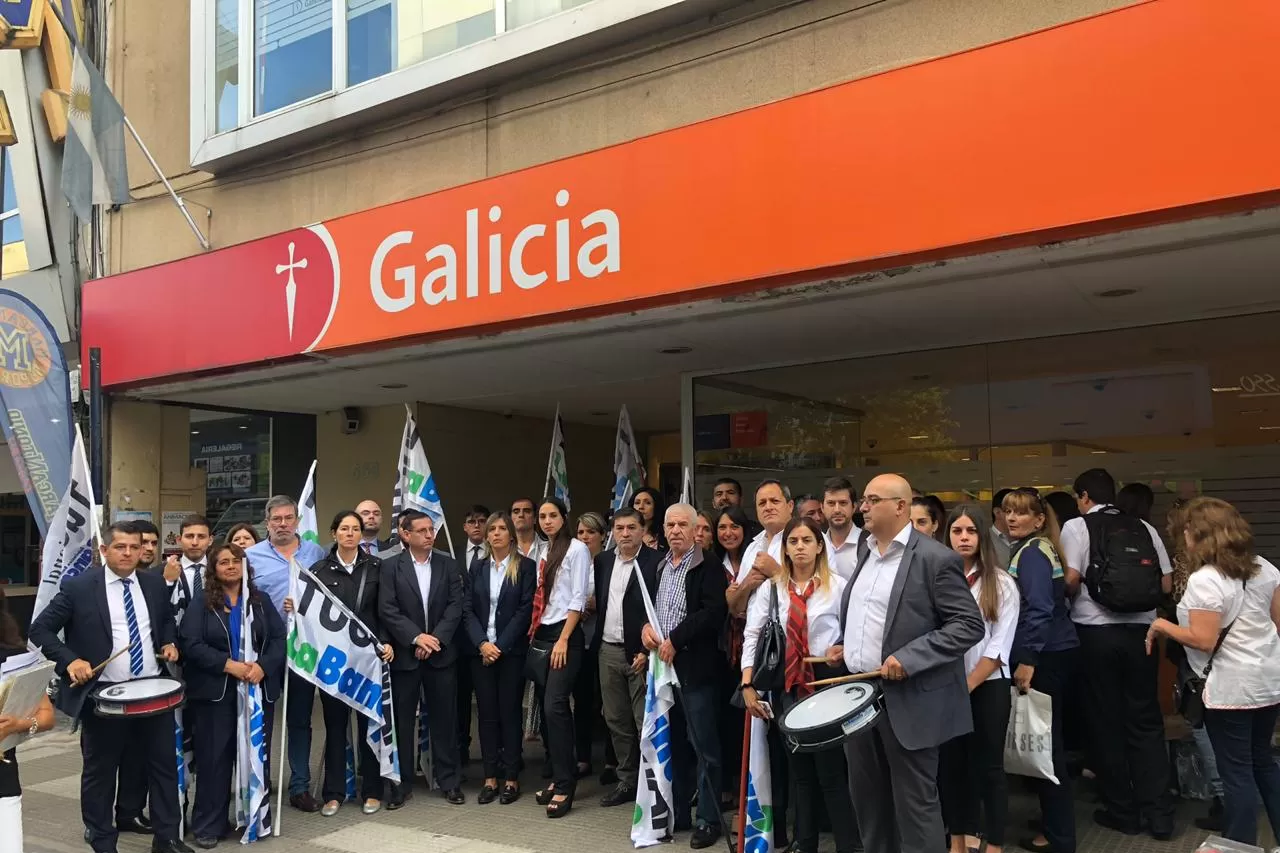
x,y
1189,690
769,670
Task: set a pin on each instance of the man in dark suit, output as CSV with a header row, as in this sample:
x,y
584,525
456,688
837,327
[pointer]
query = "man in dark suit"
x,y
370,527
690,604
104,611
420,601
620,616
907,613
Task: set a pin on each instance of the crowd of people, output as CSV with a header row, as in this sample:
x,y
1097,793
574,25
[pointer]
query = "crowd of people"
x,y
543,621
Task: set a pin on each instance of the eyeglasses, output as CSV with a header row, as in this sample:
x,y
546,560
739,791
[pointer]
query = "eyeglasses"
x,y
873,500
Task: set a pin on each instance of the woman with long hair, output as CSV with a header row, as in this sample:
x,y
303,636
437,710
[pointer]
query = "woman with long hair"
x,y
213,665
1228,621
648,502
806,584
926,517
732,533
1045,647
244,535
497,624
11,643
972,781
559,601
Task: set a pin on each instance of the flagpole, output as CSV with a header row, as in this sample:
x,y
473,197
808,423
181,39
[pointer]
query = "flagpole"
x,y
547,489
284,739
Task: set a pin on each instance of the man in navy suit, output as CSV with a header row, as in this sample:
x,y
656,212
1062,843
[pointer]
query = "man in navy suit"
x,y
420,602
101,612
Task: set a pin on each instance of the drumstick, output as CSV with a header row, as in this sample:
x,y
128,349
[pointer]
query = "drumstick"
x,y
815,659
97,669
845,679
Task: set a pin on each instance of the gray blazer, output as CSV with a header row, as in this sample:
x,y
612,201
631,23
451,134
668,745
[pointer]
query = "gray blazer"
x,y
932,621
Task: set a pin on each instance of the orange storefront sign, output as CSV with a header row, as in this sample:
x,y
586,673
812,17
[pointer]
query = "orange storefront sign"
x,y
1153,111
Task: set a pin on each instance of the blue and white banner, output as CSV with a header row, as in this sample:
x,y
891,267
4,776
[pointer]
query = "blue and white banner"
x,y
415,487
628,472
654,819
68,546
757,819
35,405
331,648
253,801
557,469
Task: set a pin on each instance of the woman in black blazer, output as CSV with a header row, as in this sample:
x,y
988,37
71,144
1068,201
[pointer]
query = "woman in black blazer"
x,y
497,625
213,666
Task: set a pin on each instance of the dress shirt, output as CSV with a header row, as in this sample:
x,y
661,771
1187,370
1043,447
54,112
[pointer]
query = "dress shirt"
x,y
423,571
118,669
755,546
346,567
536,551
622,571
497,574
1075,552
672,602
869,604
823,609
271,568
844,559
572,581
997,639
191,569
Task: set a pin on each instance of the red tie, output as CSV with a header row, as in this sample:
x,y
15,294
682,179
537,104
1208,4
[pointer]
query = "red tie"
x,y
799,673
539,601
972,578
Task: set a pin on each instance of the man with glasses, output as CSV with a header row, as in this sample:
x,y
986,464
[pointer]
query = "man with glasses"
x,y
271,561
907,614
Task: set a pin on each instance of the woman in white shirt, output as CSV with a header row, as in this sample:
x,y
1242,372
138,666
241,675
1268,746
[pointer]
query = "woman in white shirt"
x,y
972,782
1233,599
559,601
806,581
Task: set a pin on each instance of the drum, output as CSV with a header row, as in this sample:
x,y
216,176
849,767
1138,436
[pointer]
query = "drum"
x,y
142,697
826,719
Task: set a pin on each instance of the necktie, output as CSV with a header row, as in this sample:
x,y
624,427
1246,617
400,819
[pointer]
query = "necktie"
x,y
475,554
135,636
367,547
799,673
972,579
539,601
197,580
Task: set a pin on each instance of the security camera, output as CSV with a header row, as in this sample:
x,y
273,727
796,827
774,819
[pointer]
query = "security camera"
x,y
350,420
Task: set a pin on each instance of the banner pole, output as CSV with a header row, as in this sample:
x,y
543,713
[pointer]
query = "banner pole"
x,y
548,488
284,738
95,419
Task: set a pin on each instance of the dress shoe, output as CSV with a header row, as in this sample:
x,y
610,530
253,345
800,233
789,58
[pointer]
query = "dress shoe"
x,y
455,796
174,846
139,825
609,776
400,794
510,793
206,843
305,802
330,808
704,836
1108,820
88,836
623,793
487,795
371,806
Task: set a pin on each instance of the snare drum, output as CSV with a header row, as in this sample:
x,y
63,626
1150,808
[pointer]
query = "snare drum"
x,y
142,697
825,720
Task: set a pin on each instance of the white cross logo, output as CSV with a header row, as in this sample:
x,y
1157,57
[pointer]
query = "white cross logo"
x,y
291,289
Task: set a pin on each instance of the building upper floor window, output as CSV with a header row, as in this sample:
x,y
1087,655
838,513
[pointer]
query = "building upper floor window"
x,y
265,63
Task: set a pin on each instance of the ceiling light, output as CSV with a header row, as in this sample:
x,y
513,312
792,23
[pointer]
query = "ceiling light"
x,y
393,386
675,350
1115,293
1268,428
195,432
1098,452
243,426
917,437
1030,455
1227,389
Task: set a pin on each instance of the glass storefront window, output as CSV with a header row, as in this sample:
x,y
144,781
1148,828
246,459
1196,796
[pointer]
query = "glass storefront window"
x,y
235,454
293,51
1187,409
226,72
385,35
14,260
521,12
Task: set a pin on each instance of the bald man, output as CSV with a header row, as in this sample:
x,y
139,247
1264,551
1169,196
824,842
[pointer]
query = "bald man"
x,y
370,526
908,614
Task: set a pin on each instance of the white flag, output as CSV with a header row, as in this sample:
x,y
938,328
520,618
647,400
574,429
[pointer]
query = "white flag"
x,y
308,529
416,487
686,489
628,472
68,546
253,802
653,820
758,819
557,471
94,170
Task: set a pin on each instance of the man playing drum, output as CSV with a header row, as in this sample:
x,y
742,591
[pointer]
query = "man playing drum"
x,y
116,622
908,614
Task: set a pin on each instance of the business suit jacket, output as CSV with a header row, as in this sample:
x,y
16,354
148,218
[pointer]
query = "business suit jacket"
x,y
80,610
932,621
515,608
205,640
633,612
401,607
699,659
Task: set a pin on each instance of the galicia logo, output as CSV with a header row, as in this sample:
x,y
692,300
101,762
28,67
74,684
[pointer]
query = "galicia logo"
x,y
303,280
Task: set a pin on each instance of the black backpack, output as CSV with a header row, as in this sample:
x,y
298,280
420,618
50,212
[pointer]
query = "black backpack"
x,y
1124,572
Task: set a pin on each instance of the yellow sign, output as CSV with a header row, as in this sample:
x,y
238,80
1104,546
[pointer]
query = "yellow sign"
x,y
24,351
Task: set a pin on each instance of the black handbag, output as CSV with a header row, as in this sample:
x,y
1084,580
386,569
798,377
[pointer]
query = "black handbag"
x,y
537,662
769,670
1189,689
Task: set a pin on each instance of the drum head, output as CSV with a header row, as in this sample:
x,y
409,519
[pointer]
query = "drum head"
x,y
139,689
830,706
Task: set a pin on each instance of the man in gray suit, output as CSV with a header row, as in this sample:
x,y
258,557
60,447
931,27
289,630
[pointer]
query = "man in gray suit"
x,y
908,613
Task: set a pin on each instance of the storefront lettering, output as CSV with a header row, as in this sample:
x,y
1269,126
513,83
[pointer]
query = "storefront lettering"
x,y
598,242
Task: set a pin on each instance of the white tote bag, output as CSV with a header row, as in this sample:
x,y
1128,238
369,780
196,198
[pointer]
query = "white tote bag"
x,y
1028,745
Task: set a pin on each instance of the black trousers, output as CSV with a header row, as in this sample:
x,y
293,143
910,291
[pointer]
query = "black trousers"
x,y
586,704
214,739
821,779
499,705
1126,726
557,712
731,724
337,732
1055,674
465,691
437,687
103,744
971,778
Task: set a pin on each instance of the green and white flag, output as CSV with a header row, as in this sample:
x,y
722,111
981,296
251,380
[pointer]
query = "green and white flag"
x,y
94,170
307,527
557,473
628,472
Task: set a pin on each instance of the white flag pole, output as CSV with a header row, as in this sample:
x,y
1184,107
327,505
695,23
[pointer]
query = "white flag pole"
x,y
284,739
551,458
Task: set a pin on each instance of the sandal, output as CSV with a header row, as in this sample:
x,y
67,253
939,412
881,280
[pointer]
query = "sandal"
x,y
543,797
560,808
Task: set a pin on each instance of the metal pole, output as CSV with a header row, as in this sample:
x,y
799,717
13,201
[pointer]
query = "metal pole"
x,y
96,446
164,180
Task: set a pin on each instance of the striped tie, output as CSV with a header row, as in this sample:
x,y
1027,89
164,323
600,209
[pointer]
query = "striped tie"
x,y
135,636
799,673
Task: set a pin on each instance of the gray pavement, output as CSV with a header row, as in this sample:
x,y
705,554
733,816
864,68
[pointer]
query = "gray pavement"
x,y
50,768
